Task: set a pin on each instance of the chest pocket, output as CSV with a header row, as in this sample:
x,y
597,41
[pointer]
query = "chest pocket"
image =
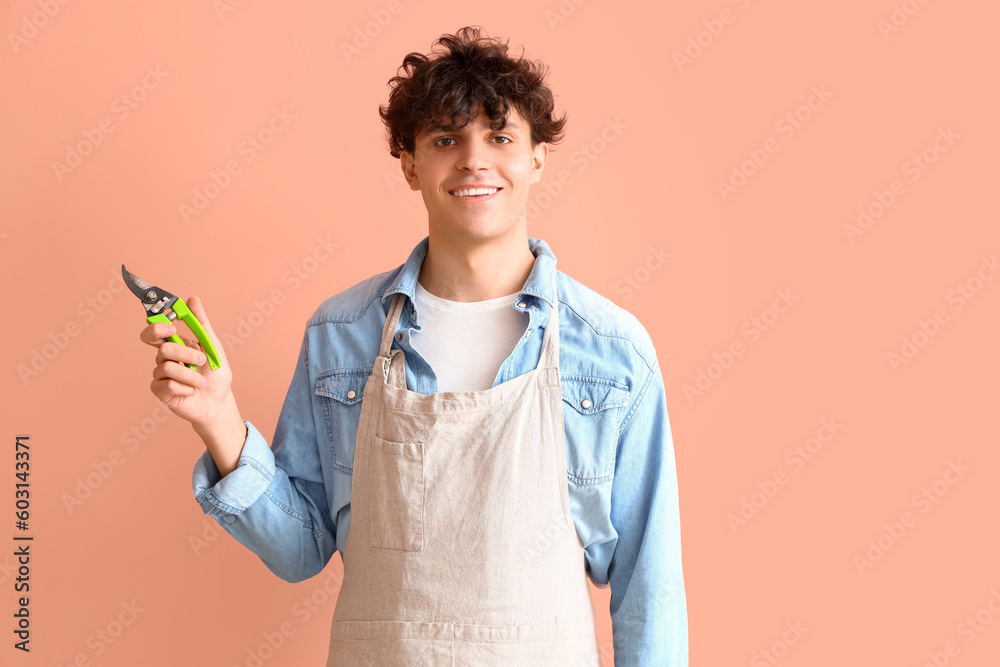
x,y
340,391
593,408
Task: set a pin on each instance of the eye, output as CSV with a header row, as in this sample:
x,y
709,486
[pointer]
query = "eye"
x,y
509,140
437,143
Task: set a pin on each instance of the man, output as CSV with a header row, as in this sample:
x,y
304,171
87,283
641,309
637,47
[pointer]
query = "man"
x,y
491,431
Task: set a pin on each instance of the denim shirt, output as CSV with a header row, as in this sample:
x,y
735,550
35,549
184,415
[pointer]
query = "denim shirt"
x,y
289,503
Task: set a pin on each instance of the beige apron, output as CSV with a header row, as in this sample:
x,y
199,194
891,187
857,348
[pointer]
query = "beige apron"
x,y
462,549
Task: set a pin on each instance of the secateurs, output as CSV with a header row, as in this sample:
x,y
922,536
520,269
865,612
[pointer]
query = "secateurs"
x,y
162,306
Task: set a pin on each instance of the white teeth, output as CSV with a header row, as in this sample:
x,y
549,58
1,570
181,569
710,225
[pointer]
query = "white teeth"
x,y
474,191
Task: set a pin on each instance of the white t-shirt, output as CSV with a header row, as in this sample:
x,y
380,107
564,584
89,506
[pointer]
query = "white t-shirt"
x,y
465,342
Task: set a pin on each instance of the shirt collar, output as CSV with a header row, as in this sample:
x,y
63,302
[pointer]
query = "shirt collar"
x,y
540,283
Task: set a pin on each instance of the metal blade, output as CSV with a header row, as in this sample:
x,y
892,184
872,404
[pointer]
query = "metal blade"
x,y
136,285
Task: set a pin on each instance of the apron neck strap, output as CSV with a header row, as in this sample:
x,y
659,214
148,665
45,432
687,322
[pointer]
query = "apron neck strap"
x,y
382,367
550,342
391,321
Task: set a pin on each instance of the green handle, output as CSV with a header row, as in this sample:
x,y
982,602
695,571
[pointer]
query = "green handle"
x,y
185,315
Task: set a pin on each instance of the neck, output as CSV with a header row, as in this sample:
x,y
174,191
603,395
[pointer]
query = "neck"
x,y
487,269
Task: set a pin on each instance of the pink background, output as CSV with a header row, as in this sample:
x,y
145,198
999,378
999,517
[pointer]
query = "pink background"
x,y
889,96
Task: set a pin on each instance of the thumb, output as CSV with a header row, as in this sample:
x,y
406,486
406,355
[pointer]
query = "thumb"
x,y
198,309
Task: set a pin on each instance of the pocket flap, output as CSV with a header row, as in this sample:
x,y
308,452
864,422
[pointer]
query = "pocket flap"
x,y
589,394
346,385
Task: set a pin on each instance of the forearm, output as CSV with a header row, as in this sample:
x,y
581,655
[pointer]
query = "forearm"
x,y
224,436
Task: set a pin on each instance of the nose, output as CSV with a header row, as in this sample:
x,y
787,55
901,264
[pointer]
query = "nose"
x,y
473,157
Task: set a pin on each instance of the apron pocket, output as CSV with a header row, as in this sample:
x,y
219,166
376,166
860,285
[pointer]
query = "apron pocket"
x,y
396,495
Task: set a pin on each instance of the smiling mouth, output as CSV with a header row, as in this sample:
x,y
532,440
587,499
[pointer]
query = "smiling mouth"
x,y
475,194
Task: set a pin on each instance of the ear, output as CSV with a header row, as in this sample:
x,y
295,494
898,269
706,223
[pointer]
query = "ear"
x,y
539,155
407,163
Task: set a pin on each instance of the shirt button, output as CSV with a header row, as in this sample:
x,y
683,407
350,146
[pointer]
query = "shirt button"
x,y
585,403
521,305
351,394
528,333
399,336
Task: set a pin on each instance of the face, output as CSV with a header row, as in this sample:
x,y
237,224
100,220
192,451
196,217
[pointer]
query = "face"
x,y
447,160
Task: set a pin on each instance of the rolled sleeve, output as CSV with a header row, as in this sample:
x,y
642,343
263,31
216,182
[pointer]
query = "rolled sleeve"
x,y
648,601
243,486
275,501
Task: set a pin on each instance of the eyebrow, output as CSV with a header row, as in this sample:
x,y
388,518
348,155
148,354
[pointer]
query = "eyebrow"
x,y
437,128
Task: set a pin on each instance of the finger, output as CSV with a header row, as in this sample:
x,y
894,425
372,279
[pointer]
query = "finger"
x,y
191,342
180,373
198,308
167,388
182,354
188,342
157,332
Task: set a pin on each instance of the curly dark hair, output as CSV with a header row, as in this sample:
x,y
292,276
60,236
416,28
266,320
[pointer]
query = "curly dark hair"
x,y
474,73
